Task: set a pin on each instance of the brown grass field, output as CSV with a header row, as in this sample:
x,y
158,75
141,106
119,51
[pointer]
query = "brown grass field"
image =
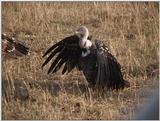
x,y
129,29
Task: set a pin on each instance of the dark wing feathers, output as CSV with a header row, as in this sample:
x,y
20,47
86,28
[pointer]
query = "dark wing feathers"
x,y
52,47
58,49
64,69
60,63
57,59
68,53
109,71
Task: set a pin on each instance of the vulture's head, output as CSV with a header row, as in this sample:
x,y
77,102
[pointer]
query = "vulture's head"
x,y
82,31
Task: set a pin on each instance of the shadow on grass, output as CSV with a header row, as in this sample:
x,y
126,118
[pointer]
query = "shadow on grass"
x,y
18,89
54,88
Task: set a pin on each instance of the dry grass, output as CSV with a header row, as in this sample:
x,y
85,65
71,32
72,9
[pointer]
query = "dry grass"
x,y
129,29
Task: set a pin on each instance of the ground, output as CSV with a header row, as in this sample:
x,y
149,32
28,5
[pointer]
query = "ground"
x,y
129,29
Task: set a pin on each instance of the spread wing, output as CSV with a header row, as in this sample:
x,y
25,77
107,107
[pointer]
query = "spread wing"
x,y
108,69
67,52
101,68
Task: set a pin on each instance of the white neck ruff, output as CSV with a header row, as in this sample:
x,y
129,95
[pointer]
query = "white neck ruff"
x,y
85,43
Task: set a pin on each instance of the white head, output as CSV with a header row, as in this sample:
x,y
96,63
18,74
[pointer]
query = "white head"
x,y
82,32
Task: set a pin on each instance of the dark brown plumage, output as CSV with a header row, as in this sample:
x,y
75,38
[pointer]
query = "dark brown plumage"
x,y
99,66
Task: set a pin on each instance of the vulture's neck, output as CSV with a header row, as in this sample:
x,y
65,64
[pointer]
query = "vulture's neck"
x,y
85,43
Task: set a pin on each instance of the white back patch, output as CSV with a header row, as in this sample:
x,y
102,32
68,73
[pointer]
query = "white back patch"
x,y
88,44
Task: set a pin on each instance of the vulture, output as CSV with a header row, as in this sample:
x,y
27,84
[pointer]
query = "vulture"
x,y
99,66
13,48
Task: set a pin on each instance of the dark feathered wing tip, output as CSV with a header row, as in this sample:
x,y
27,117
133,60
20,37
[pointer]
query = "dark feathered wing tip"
x,y
51,48
55,48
